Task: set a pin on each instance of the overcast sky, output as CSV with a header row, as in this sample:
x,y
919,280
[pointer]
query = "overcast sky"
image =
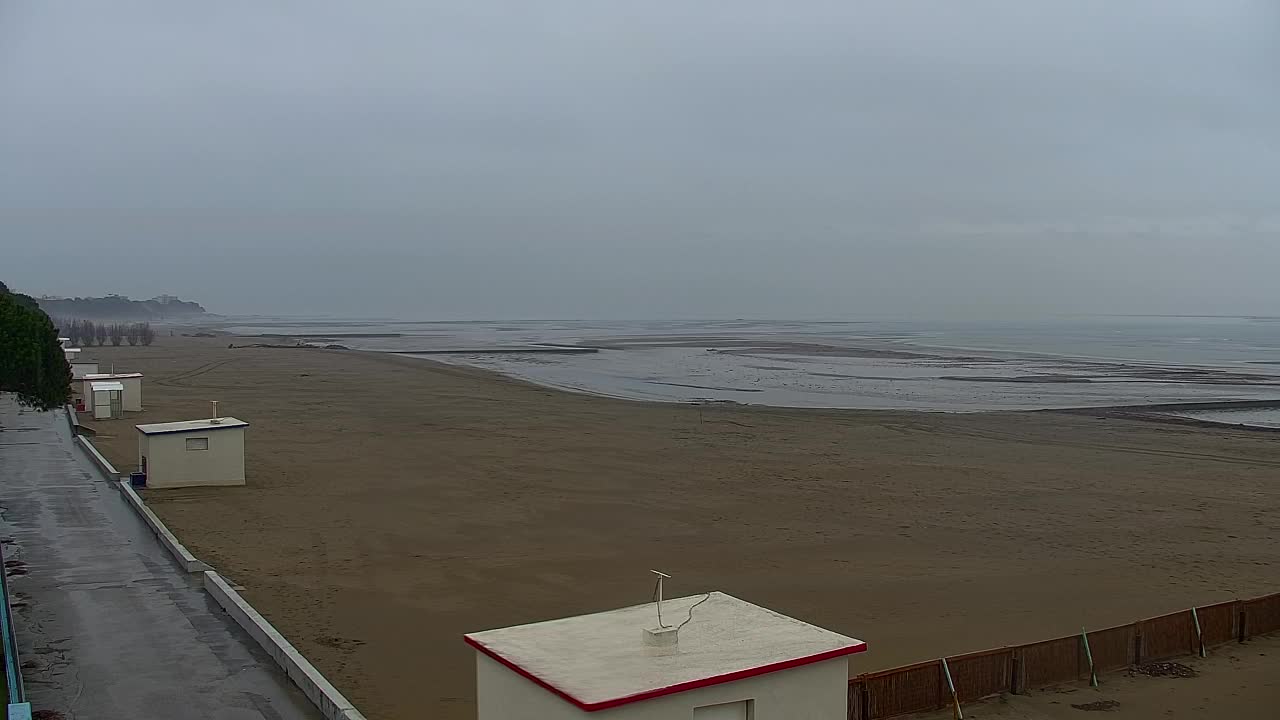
x,y
586,159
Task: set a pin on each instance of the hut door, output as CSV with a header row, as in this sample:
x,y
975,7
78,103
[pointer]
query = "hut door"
x,y
117,404
727,711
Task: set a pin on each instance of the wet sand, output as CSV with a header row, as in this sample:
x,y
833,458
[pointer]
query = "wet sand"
x,y
395,503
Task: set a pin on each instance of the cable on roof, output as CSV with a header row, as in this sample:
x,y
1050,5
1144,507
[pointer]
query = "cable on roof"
x,y
691,607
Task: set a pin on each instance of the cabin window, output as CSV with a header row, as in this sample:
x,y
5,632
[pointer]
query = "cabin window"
x,y
198,443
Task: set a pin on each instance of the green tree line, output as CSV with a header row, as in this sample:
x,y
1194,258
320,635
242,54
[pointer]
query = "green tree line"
x,y
32,364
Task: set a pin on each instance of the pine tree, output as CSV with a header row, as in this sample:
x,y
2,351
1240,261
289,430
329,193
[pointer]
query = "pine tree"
x,y
32,363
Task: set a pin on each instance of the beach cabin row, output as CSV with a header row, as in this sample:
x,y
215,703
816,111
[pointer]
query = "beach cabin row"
x,y
128,397
108,396
72,354
131,384
79,368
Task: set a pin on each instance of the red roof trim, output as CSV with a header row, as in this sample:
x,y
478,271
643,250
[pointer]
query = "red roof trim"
x,y
670,689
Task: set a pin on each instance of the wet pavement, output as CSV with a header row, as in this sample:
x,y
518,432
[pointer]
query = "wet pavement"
x,y
107,625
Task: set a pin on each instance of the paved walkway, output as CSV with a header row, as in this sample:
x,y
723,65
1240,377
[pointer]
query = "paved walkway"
x,y
107,625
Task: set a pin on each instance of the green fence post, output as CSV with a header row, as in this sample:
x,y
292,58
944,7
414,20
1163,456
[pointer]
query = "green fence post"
x,y
1093,675
1195,617
955,700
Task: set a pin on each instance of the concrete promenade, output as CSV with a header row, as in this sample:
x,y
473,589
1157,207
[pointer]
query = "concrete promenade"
x,y
108,626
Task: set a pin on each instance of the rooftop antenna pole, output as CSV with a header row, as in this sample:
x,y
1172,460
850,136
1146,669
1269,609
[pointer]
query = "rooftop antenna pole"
x,y
215,410
661,576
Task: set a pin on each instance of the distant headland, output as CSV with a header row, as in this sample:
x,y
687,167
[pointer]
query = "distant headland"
x,y
120,307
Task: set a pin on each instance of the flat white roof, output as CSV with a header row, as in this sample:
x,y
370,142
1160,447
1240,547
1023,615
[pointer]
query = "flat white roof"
x,y
111,376
98,386
191,426
601,661
73,351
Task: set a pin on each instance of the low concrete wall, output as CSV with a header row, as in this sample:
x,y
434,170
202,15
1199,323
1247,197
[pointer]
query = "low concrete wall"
x,y
185,559
179,552
97,458
303,674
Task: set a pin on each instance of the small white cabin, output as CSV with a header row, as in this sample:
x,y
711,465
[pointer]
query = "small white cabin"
x,y
106,400
727,660
70,353
81,368
132,387
192,453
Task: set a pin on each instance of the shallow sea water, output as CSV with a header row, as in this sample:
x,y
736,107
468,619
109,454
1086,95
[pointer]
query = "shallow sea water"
x,y
950,367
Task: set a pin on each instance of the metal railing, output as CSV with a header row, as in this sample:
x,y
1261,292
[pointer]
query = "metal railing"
x,y
12,669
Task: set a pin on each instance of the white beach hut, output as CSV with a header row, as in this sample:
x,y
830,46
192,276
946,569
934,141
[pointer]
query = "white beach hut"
x,y
70,353
106,399
718,658
81,368
192,452
132,387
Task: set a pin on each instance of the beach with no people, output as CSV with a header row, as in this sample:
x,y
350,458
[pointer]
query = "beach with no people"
x,y
395,503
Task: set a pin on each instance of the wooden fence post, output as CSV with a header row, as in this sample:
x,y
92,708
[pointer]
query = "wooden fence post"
x,y
858,699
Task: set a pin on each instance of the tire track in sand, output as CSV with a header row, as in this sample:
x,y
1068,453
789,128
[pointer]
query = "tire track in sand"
x,y
180,380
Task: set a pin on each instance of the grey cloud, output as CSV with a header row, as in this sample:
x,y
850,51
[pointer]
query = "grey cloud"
x,y
576,159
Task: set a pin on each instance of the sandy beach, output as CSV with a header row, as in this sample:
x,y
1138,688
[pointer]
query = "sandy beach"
x,y
1238,682
394,503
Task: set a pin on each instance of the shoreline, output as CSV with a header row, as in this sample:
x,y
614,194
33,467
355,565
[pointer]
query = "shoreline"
x,y
1158,413
918,372
1144,411
1135,410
